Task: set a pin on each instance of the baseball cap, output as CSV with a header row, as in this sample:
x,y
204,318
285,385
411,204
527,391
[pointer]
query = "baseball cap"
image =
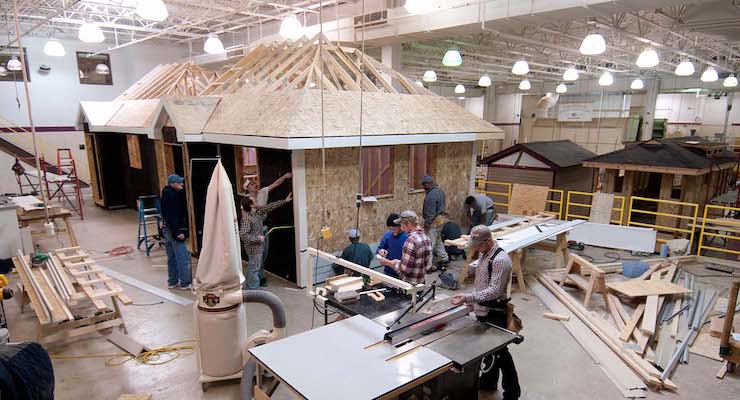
x,y
175,178
391,221
353,233
427,179
478,235
407,216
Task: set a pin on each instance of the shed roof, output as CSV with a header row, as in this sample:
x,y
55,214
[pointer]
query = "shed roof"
x,y
557,154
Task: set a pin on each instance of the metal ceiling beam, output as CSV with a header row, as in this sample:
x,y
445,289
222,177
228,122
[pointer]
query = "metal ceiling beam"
x,y
40,24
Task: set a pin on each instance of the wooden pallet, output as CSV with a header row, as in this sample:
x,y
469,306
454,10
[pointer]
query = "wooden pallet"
x,y
93,281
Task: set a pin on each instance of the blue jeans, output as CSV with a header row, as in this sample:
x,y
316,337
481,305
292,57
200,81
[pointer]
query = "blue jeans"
x,y
485,218
253,271
264,252
178,260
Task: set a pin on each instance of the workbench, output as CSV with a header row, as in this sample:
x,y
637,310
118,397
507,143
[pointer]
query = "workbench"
x,y
28,216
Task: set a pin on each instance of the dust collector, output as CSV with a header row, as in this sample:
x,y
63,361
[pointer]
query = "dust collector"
x,y
219,311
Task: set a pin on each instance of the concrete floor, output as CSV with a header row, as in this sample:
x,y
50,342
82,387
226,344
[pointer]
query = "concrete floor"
x,y
550,363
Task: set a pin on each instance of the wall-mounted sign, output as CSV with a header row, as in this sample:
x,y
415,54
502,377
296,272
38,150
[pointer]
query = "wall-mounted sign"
x,y
575,112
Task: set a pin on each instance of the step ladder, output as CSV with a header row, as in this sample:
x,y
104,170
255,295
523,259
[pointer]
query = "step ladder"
x,y
63,184
150,217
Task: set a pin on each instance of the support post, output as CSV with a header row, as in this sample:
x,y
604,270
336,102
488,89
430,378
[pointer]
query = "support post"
x,y
300,217
391,57
648,117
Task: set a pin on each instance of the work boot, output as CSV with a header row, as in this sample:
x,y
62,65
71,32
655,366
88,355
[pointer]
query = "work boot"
x,y
442,265
263,282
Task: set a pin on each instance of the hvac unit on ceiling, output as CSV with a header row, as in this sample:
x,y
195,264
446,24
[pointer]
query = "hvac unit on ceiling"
x,y
371,19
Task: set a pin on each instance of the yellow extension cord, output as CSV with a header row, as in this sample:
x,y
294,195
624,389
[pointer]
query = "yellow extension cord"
x,y
152,357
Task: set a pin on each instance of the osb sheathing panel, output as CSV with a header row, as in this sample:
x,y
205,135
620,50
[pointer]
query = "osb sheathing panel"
x,y
342,177
297,113
98,113
134,114
190,114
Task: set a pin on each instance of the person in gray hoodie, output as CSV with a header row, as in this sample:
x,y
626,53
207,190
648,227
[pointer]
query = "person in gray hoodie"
x,y
434,207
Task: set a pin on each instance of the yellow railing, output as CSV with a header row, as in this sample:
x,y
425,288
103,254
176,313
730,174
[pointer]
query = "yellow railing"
x,y
558,202
572,214
506,194
718,225
691,218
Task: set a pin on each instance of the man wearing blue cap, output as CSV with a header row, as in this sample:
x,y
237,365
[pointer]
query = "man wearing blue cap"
x,y
175,232
434,207
356,252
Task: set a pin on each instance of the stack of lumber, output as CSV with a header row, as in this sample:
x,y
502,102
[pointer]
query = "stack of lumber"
x,y
504,227
44,286
85,272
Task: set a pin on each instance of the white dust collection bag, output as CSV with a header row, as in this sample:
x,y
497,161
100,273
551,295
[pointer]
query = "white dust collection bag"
x,y
220,261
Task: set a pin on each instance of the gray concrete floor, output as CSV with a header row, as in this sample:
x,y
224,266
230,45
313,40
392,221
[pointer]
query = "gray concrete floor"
x,y
550,363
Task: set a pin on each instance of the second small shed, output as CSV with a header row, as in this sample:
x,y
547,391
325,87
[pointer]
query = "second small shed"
x,y
556,164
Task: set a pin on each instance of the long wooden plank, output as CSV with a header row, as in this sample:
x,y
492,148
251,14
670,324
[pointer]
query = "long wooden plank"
x,y
55,294
638,288
632,324
365,271
651,310
41,312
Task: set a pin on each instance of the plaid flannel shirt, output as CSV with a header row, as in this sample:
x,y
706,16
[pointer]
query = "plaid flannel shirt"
x,y
414,257
485,287
250,228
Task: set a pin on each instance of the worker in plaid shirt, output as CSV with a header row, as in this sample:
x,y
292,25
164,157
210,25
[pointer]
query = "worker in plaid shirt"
x,y
417,249
250,232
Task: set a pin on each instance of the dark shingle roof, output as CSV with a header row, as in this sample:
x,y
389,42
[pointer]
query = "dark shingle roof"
x,y
557,154
666,153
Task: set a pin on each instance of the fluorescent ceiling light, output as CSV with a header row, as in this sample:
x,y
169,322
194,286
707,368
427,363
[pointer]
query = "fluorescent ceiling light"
x,y
419,6
420,83
291,28
525,85
430,76
14,64
637,84
484,81
102,69
452,58
213,45
151,10
461,98
520,68
561,88
570,74
685,68
459,88
606,79
53,48
593,44
90,33
647,59
709,75
730,81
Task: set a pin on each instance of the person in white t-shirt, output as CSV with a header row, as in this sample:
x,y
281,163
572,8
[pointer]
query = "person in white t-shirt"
x,y
259,197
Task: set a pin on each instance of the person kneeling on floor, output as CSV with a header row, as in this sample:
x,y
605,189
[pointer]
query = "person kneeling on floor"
x,y
490,303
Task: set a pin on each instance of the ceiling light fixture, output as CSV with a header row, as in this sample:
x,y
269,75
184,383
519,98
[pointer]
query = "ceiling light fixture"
x,y
213,45
606,79
570,74
520,68
3,71
152,10
730,81
709,75
647,59
561,88
419,7
420,83
102,69
593,44
54,48
430,76
637,84
459,89
461,98
485,81
291,28
685,68
525,85
14,64
90,33
452,58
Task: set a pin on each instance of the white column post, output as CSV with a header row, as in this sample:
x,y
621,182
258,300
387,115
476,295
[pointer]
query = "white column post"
x,y
300,216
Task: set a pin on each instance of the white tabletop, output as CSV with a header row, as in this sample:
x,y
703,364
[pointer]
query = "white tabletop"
x,y
331,362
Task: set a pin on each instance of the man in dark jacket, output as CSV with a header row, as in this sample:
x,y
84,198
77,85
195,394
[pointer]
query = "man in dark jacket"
x,y
434,207
175,230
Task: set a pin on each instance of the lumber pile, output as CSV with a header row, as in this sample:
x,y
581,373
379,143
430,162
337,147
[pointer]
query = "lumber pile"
x,y
501,228
85,273
648,323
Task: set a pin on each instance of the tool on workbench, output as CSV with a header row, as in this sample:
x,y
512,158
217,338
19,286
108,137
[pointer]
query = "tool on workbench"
x,y
421,301
573,245
420,324
38,257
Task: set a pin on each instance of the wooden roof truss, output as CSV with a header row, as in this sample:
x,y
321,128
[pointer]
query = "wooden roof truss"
x,y
176,78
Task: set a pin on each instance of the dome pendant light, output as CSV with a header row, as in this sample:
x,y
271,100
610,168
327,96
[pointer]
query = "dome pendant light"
x,y
429,76
593,44
151,10
90,33
54,48
291,28
484,81
730,81
525,85
709,75
213,45
452,58
459,89
685,68
647,59
637,84
570,74
606,79
520,68
102,69
561,88
14,64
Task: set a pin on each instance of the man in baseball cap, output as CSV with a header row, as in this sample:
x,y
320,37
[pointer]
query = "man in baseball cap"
x,y
356,252
416,251
490,302
175,232
391,245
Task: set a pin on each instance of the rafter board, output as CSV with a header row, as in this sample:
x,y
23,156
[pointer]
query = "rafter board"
x,y
143,81
283,59
235,72
142,87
